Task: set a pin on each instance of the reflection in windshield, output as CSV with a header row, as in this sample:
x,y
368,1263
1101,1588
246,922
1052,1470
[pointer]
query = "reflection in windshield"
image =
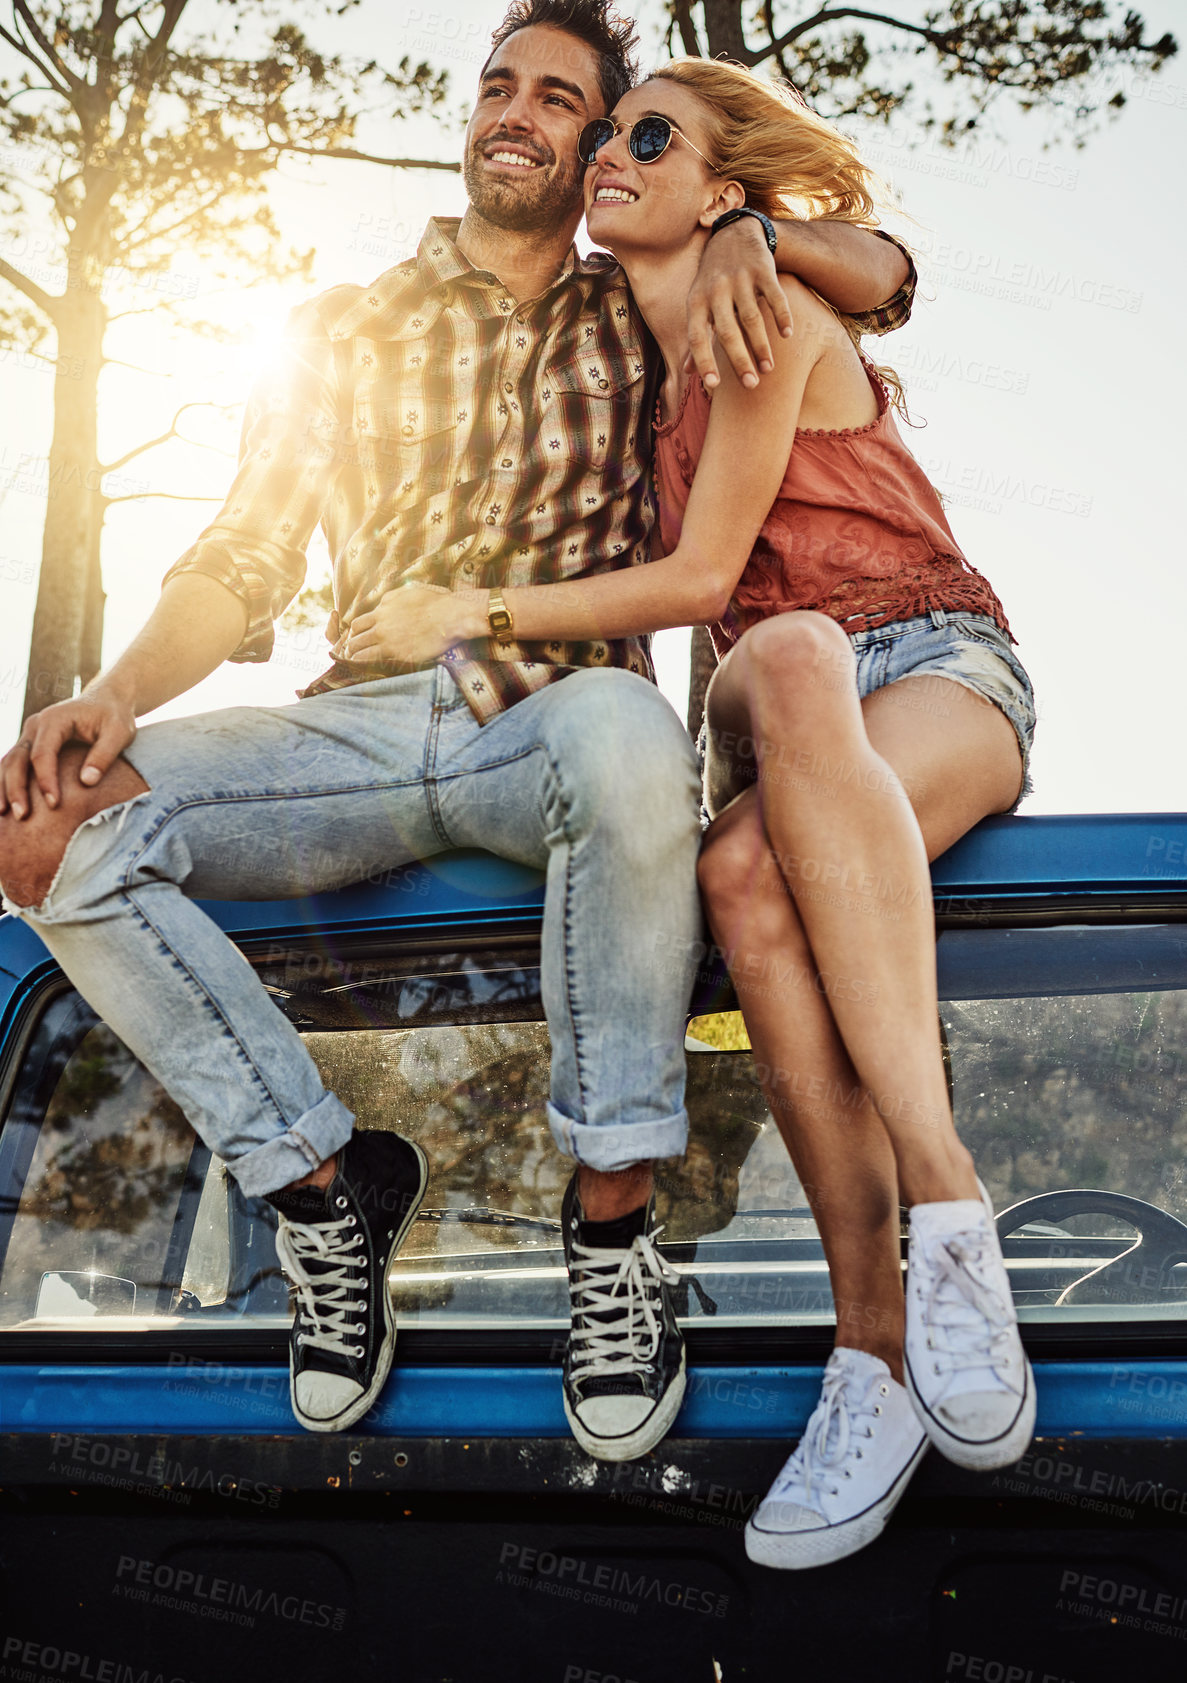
x,y
1051,1091
105,1180
1087,1090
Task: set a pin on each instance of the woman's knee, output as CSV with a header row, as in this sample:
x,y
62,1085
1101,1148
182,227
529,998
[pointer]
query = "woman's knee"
x,y
736,869
797,651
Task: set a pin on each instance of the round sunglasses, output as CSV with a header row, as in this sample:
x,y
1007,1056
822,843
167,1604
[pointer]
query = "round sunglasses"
x,y
646,140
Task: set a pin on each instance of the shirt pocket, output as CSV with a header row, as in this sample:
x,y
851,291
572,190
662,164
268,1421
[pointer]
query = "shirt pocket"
x,y
590,406
414,402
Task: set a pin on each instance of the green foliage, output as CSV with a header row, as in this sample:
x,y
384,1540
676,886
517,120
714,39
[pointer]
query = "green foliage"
x,y
1054,55
138,144
143,144
311,609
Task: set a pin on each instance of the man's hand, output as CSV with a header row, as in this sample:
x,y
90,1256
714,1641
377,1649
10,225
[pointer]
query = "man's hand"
x,y
103,718
415,624
737,277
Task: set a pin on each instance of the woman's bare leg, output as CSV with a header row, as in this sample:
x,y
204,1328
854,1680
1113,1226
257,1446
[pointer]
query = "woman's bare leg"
x,y
957,757
850,849
837,1141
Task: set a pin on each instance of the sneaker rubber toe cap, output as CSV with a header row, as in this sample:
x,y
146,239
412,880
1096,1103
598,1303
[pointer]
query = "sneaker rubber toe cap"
x,y
782,1518
979,1416
613,1417
324,1396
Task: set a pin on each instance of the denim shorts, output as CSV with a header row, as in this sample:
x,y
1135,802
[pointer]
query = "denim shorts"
x,y
968,649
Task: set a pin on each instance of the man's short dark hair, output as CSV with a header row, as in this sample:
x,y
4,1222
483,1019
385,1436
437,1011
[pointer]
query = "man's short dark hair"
x,y
611,37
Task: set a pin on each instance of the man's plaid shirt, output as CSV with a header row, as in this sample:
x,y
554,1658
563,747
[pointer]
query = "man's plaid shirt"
x,y
444,433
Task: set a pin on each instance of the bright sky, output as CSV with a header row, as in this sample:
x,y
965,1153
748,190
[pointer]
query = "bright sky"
x,y
1042,356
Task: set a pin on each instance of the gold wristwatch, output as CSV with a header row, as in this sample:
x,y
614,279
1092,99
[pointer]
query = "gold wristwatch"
x,y
498,617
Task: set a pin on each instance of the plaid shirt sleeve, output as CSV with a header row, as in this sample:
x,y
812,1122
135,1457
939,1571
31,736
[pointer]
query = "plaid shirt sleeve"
x,y
287,457
896,312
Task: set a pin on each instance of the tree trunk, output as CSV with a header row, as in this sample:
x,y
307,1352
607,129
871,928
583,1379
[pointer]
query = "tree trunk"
x,y
70,540
701,667
90,657
723,27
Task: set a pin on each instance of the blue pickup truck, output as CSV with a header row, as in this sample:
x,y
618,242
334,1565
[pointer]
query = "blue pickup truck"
x,y
163,1517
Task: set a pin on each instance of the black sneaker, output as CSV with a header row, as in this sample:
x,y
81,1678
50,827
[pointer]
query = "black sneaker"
x,y
624,1364
336,1247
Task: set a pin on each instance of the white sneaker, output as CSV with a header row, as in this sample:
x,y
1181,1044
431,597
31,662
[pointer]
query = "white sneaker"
x,y
855,1459
965,1367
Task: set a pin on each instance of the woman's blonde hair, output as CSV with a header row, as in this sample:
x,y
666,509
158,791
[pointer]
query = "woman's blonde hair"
x,y
790,162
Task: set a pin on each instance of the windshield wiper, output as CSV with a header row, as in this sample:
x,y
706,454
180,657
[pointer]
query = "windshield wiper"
x,y
482,1217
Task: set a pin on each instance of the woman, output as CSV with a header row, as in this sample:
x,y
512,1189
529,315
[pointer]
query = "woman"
x,y
866,713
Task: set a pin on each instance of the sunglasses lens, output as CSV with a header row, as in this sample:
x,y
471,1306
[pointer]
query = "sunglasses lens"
x,y
593,137
649,138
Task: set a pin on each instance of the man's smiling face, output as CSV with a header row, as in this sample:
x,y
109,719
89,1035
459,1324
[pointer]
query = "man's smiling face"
x,y
520,165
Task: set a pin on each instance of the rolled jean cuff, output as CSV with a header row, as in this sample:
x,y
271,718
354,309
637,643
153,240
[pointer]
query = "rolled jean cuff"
x,y
291,1155
617,1145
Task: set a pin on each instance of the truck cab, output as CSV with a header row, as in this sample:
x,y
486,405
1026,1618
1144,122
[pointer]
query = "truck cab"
x,y
160,1506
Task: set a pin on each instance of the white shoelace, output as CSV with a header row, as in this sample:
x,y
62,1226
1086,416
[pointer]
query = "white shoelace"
x,y
323,1299
625,1283
819,1458
970,1323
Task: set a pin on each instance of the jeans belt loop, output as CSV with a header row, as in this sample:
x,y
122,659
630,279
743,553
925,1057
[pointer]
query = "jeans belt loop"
x,y
939,618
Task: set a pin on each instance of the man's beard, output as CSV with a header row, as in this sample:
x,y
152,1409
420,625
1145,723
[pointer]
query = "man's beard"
x,y
504,203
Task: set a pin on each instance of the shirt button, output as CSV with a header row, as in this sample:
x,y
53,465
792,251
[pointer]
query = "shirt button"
x,y
468,567
507,461
507,386
603,385
407,432
490,519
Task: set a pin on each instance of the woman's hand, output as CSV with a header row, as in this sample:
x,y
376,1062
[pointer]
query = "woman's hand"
x,y
415,624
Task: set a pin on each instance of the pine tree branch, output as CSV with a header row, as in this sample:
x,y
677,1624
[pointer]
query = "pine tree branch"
x,y
347,152
688,30
164,438
72,82
140,233
941,41
146,80
169,306
164,496
45,301
135,368
26,52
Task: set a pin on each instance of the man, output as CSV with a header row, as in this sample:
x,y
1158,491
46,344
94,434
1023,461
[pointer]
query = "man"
x,y
475,419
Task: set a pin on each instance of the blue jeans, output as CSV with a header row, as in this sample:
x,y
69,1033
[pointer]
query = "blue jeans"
x,y
593,779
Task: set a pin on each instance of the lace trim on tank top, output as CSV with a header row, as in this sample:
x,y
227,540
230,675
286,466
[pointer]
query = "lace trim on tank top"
x,y
945,582
883,399
664,428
